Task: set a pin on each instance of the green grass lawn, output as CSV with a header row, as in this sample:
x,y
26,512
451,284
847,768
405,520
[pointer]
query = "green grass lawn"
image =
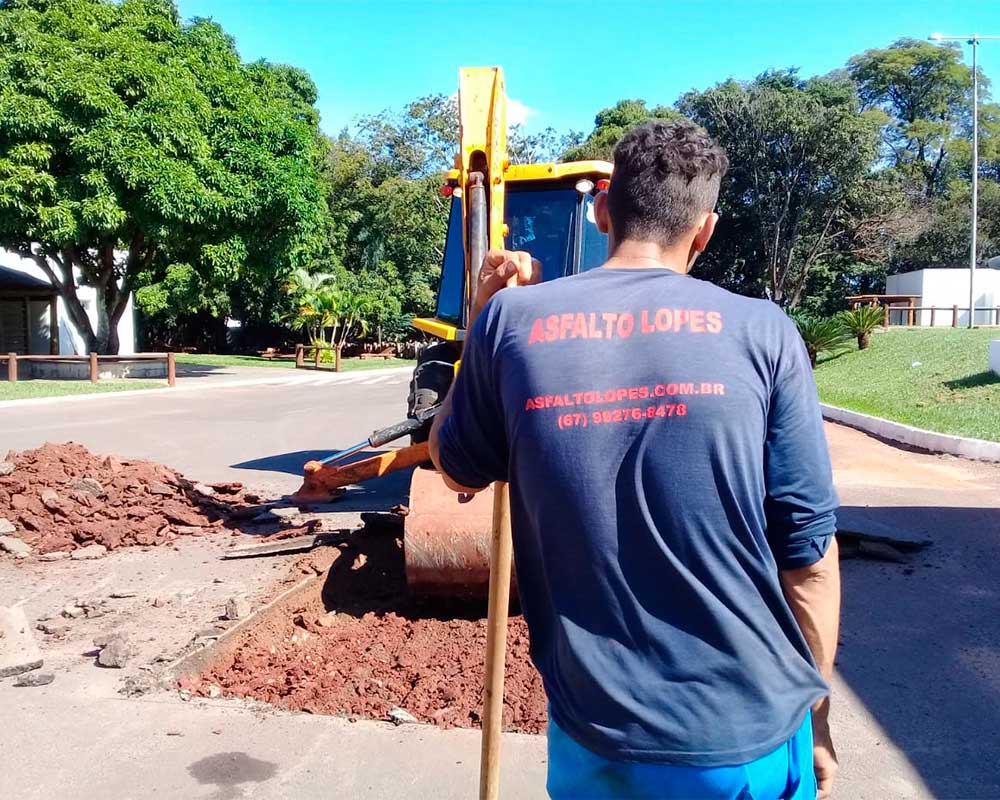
x,y
933,379
347,364
24,390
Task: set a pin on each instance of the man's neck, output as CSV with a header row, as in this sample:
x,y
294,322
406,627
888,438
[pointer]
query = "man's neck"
x,y
639,255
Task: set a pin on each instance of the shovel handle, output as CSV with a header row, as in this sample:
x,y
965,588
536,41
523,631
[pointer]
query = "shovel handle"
x,y
496,644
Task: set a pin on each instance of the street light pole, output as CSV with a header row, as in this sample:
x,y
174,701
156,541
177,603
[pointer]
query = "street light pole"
x,y
973,40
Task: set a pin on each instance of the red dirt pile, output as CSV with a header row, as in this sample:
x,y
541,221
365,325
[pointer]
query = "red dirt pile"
x,y
360,645
61,496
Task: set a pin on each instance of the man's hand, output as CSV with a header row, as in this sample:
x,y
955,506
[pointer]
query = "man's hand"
x,y
825,762
503,268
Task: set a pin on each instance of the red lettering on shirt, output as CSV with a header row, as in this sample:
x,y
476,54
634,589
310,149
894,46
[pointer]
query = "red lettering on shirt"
x,y
621,325
537,332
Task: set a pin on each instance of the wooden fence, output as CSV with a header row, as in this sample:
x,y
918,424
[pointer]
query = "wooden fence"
x,y
911,315
94,360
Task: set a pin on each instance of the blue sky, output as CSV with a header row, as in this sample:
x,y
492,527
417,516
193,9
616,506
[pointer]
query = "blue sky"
x,y
565,60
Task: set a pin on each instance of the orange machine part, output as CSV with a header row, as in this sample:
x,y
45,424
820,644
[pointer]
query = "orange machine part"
x,y
447,543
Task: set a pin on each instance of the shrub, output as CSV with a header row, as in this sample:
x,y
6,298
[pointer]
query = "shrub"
x,y
325,356
861,321
821,335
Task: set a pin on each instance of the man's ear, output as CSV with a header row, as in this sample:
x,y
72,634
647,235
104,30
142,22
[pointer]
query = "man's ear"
x,y
601,215
705,231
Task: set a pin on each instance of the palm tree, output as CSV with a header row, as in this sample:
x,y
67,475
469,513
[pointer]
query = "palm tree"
x,y
330,308
861,321
821,335
314,306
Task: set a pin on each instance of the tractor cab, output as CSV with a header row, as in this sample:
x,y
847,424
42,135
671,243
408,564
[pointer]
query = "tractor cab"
x,y
549,212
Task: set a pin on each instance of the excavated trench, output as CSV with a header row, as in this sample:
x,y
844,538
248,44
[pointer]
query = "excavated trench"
x,y
355,642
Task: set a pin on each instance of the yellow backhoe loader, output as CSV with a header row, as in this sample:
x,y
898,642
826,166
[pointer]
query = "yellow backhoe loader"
x,y
546,209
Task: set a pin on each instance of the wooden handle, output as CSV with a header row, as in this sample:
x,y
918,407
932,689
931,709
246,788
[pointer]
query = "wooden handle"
x,y
496,645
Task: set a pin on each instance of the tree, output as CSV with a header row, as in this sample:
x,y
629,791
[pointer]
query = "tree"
x,y
861,321
800,156
925,91
821,335
384,307
140,154
609,126
330,307
388,230
389,217
349,309
310,293
524,147
945,240
417,142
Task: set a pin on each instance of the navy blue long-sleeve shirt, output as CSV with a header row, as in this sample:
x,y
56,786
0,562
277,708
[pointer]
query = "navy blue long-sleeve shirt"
x,y
665,452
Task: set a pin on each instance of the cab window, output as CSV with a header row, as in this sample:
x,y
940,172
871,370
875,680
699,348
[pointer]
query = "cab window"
x,y
594,247
451,294
540,221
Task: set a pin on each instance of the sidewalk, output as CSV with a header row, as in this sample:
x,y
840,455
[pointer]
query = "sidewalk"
x,y
77,747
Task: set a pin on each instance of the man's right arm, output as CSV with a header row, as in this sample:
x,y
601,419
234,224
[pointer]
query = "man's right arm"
x,y
476,428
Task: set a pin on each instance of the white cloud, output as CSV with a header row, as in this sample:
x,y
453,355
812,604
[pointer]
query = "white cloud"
x,y
518,113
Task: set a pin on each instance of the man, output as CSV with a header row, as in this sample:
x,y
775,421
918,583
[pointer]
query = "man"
x,y
671,498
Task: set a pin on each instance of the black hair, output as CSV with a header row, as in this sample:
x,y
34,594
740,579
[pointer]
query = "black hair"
x,y
666,173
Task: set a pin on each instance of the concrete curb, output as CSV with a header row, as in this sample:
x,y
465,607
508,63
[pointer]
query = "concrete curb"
x,y
305,377
199,657
978,449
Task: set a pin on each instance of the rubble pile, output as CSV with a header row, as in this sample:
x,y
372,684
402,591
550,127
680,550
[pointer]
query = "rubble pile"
x,y
358,644
62,498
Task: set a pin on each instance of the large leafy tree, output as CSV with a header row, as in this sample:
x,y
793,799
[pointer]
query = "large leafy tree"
x,y
800,158
388,230
609,126
422,139
140,153
945,241
389,218
925,90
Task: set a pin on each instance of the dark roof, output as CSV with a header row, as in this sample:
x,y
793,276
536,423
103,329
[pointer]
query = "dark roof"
x,y
12,280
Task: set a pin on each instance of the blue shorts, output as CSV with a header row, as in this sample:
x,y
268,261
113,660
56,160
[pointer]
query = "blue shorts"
x,y
786,773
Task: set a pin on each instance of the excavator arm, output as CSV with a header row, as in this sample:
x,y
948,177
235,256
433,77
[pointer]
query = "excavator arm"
x,y
482,164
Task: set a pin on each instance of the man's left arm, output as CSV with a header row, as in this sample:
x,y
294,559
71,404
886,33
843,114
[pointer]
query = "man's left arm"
x,y
813,594
800,507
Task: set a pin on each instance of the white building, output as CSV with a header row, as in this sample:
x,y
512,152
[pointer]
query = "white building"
x,y
944,289
33,318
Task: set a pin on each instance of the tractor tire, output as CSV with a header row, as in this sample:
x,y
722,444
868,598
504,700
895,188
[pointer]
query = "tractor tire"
x,y
431,380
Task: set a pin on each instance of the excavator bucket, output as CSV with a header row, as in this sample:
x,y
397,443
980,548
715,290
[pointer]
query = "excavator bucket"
x,y
447,543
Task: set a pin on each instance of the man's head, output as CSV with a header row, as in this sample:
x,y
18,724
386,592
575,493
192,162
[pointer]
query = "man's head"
x,y
664,187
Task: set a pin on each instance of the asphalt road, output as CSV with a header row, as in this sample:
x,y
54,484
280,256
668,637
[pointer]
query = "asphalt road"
x,y
260,434
917,691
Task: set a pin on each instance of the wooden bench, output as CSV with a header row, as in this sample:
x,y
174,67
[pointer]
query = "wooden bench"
x,y
386,353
